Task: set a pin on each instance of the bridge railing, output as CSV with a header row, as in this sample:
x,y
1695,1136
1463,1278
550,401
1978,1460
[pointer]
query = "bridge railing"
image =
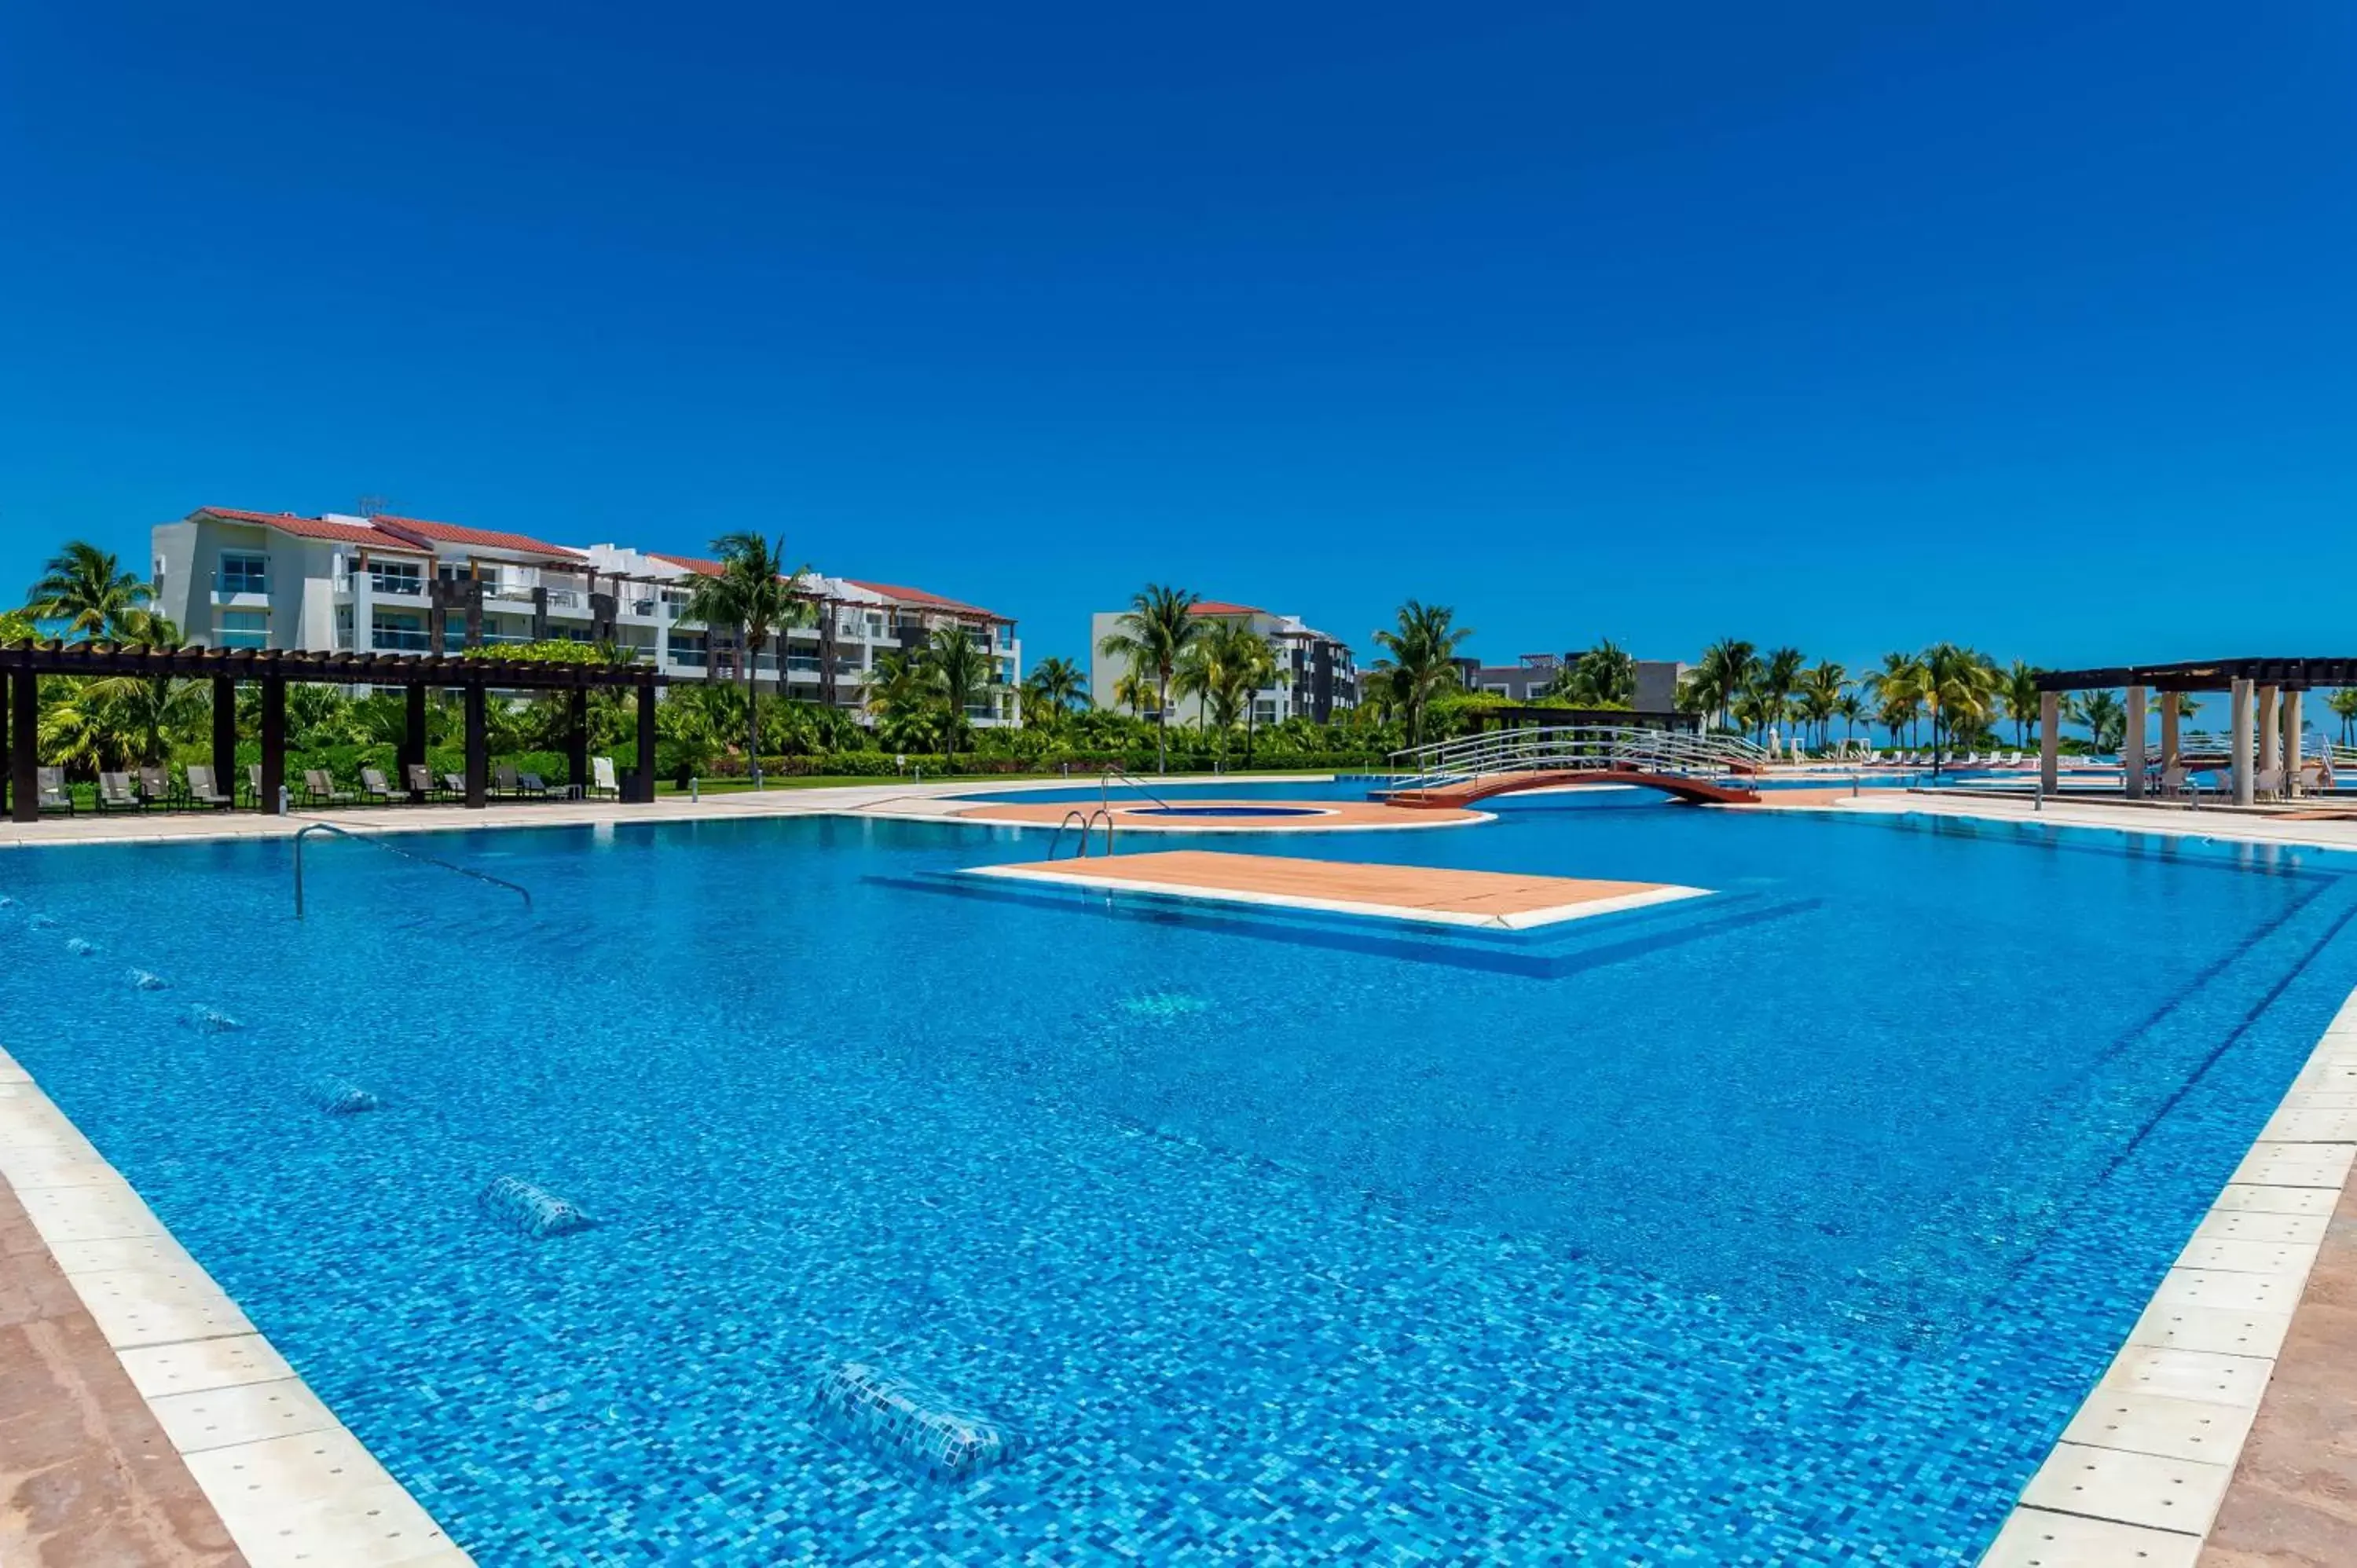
x,y
1574,747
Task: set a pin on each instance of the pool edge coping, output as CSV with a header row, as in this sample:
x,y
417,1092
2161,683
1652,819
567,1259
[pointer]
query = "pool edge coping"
x,y
2298,1167
275,1509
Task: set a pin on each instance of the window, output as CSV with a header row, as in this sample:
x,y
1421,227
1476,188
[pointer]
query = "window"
x,y
242,628
687,650
244,574
395,577
394,632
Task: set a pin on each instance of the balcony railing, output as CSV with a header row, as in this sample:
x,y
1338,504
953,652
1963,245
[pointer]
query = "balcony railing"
x,y
387,639
400,587
241,583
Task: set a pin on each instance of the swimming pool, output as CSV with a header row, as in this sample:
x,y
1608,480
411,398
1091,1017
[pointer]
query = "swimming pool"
x,y
1787,1225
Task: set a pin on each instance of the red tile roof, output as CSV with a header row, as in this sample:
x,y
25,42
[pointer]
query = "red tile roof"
x,y
311,527
451,533
1221,608
696,563
923,600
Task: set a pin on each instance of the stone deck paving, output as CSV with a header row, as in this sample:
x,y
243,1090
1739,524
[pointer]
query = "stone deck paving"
x,y
87,1477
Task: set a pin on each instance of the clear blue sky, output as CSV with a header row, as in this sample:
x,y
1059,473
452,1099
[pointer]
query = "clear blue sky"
x,y
1848,326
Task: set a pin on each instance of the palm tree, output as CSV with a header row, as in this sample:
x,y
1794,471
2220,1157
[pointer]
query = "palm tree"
x,y
1898,687
2107,720
1225,670
1959,687
959,672
87,588
2020,696
898,693
1819,692
1719,676
1054,688
1851,709
1154,631
1604,676
2343,704
1253,664
1133,691
1420,660
753,594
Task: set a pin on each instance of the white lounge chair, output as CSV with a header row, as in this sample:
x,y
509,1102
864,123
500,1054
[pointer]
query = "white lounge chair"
x,y
602,782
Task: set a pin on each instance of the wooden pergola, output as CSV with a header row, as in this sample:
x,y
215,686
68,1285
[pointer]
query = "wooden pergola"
x,y
22,665
2264,703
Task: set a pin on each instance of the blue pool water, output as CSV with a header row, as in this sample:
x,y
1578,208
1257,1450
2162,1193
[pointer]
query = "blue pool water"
x,y
1787,1225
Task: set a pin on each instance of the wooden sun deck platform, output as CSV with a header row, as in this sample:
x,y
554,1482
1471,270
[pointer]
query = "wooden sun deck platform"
x,y
1499,900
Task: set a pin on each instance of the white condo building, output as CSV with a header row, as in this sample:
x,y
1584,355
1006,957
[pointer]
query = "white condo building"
x,y
397,584
1315,677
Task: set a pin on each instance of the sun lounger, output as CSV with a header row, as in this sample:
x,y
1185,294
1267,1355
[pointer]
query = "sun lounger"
x,y
532,786
374,786
602,781
421,783
156,786
115,793
320,788
455,785
202,791
506,784
50,791
253,782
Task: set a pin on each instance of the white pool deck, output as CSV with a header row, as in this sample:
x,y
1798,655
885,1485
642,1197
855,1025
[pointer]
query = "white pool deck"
x,y
2135,1481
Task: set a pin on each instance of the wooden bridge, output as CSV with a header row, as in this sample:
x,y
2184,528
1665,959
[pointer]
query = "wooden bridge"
x,y
1714,770
1677,786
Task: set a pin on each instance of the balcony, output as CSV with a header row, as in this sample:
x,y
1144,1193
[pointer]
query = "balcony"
x,y
396,586
390,639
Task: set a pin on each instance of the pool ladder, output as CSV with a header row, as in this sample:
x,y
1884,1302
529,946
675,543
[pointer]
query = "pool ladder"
x,y
1088,821
406,855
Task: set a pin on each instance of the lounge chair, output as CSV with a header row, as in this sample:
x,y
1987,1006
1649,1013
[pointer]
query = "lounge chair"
x,y
2269,785
532,786
201,790
506,784
156,786
455,785
375,787
602,781
50,791
421,781
115,793
320,788
253,782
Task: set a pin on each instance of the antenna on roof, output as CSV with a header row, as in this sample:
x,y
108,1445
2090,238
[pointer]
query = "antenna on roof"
x,y
373,506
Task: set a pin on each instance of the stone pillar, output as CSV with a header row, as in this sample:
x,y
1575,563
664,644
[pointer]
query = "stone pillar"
x,y
2291,745
2049,736
646,790
273,743
2132,746
577,737
2169,722
479,760
225,736
413,732
23,745
2269,723
363,608
2238,745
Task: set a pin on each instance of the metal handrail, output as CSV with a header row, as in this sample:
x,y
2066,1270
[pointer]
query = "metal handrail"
x,y
405,854
1597,747
1104,789
1087,820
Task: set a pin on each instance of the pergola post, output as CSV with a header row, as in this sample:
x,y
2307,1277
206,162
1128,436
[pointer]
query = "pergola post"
x,y
2270,727
2168,746
2238,746
2291,742
274,744
577,737
2049,742
413,732
644,794
23,747
2132,746
225,734
478,761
